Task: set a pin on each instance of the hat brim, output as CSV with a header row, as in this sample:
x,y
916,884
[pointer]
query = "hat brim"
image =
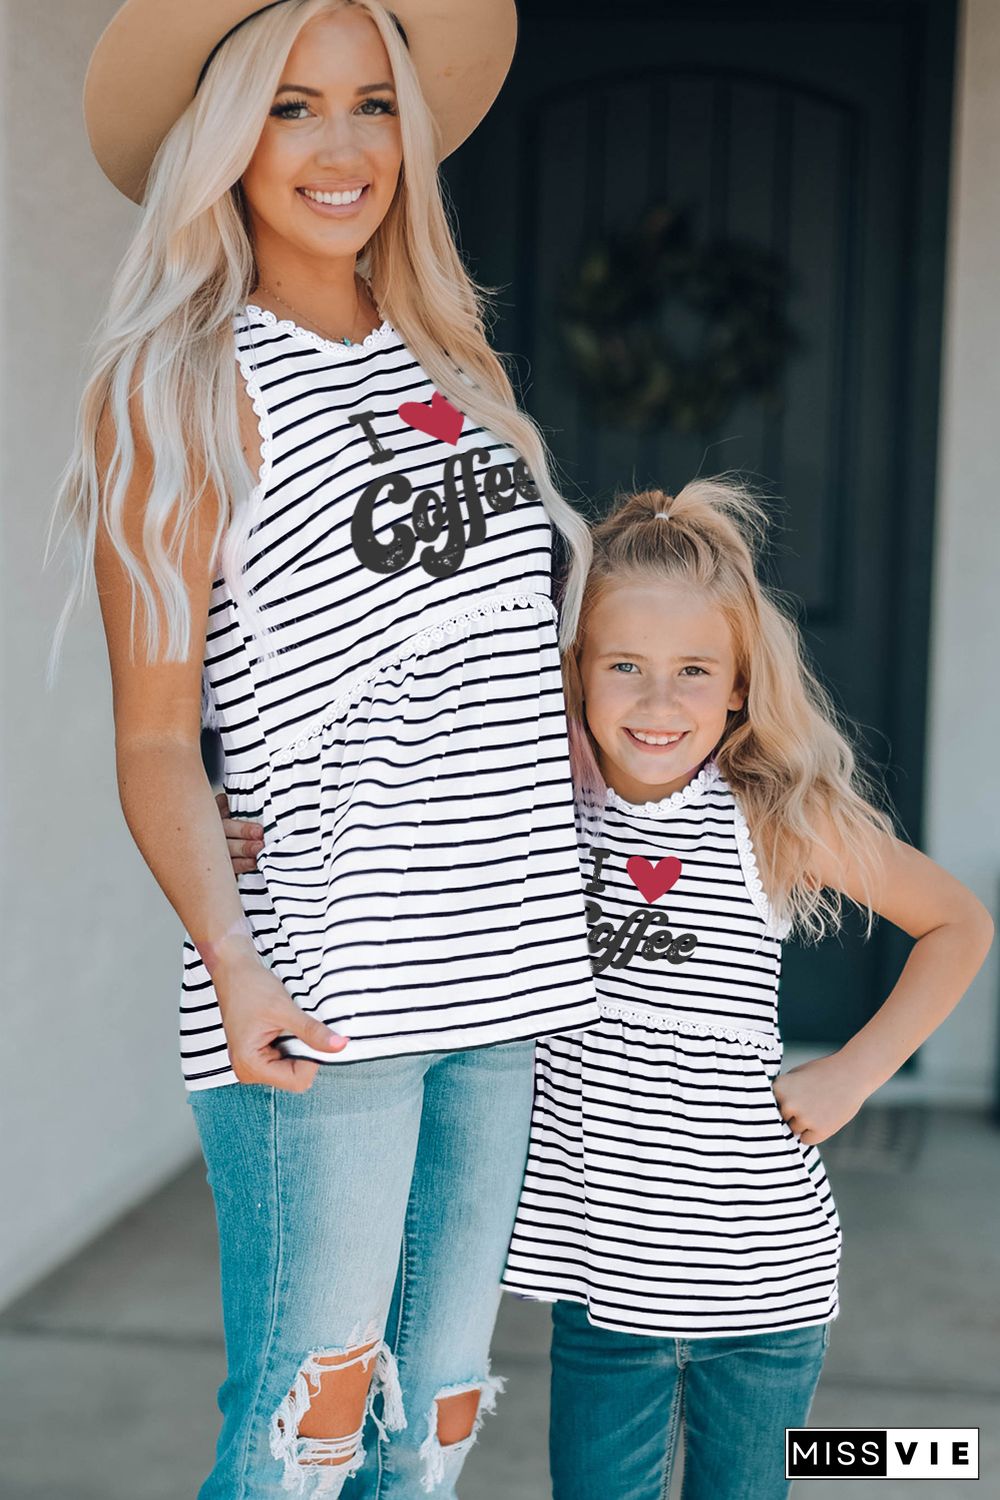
x,y
145,69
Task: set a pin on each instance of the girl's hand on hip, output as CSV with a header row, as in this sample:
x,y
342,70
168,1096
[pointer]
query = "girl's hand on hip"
x,y
817,1098
256,1008
244,840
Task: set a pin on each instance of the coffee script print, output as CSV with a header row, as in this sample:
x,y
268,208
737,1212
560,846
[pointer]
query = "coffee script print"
x,y
447,521
645,930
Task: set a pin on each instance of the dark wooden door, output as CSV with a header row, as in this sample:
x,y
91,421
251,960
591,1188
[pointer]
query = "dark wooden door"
x,y
819,132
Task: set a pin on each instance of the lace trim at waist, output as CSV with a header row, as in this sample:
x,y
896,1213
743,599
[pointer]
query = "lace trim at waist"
x,y
767,1042
540,607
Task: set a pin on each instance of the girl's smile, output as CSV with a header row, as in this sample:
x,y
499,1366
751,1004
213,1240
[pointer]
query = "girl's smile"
x,y
655,739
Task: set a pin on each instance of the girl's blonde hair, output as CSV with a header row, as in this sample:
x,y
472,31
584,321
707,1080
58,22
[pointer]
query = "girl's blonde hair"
x,y
166,340
784,754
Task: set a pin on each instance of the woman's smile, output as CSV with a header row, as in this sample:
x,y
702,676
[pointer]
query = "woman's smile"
x,y
335,203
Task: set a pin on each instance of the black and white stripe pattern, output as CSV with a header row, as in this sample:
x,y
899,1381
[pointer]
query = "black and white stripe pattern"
x,y
419,887
663,1188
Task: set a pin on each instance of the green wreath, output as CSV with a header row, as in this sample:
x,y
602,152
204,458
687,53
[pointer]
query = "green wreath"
x,y
613,314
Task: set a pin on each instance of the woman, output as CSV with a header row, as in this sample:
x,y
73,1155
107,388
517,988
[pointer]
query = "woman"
x,y
346,535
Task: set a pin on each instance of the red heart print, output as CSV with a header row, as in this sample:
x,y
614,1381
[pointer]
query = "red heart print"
x,y
440,419
653,881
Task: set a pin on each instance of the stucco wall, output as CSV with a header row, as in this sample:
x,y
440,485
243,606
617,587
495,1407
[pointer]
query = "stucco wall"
x,y
963,789
91,1110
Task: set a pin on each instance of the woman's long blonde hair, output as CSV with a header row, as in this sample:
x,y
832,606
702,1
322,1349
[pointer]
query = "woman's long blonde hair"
x,y
166,340
784,754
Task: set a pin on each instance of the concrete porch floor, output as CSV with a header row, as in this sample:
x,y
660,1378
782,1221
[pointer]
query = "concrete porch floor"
x,y
108,1369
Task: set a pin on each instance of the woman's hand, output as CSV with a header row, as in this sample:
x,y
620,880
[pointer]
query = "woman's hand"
x,y
817,1098
244,840
256,1008
255,1005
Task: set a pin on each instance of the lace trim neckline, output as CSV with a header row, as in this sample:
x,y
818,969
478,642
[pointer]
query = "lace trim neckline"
x,y
384,333
708,774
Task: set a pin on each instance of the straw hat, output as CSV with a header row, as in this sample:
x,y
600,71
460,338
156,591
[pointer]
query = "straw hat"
x,y
145,70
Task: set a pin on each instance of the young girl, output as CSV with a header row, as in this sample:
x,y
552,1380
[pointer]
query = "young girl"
x,y
675,1207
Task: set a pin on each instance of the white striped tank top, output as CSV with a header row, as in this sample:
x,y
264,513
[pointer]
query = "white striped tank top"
x,y
405,749
663,1189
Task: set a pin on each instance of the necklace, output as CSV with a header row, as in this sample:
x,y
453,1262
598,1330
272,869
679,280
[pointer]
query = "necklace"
x,y
308,322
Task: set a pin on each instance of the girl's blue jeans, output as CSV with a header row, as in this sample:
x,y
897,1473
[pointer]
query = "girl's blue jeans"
x,y
369,1218
619,1401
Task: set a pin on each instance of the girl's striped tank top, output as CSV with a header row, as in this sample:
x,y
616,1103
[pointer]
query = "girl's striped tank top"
x,y
664,1191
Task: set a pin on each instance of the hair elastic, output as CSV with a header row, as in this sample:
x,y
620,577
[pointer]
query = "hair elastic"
x,y
209,952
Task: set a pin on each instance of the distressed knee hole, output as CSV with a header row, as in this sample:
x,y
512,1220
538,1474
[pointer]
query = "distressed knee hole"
x,y
452,1424
337,1404
316,1433
456,1417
